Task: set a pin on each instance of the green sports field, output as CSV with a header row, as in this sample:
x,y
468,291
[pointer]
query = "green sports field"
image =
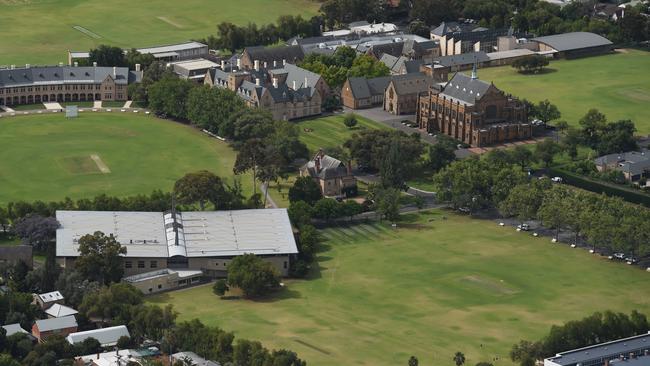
x,y
618,85
380,295
49,157
41,31
330,131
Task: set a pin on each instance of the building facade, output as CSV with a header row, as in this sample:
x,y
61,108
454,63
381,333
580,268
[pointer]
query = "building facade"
x,y
359,92
45,328
29,85
473,111
401,95
334,178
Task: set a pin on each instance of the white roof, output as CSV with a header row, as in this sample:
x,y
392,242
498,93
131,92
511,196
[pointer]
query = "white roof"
x,y
375,28
105,336
195,64
12,329
172,48
196,359
50,296
58,311
111,358
201,233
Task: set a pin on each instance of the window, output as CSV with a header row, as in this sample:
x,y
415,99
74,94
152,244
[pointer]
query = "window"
x,y
285,264
153,264
159,287
140,264
128,264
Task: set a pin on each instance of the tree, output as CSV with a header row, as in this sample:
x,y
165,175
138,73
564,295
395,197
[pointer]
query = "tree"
x,y
530,64
459,358
114,303
368,67
8,360
326,209
250,157
547,112
133,57
420,28
213,108
432,12
392,174
592,124
522,156
201,187
100,258
524,200
350,120
484,363
105,55
413,361
124,342
545,151
254,276
36,230
305,189
300,213
168,97
441,154
220,287
387,203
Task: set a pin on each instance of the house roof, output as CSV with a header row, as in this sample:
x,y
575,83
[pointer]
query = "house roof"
x,y
268,54
573,41
412,66
58,311
632,162
12,329
54,75
362,88
329,167
196,359
50,296
45,325
201,233
453,27
464,89
411,83
105,336
172,47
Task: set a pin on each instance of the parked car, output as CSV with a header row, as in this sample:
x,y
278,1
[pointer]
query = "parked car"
x,y
523,227
619,256
556,179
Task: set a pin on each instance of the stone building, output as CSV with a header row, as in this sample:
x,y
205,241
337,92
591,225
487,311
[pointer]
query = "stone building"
x,y
401,95
29,85
359,92
473,111
333,176
269,55
285,90
45,328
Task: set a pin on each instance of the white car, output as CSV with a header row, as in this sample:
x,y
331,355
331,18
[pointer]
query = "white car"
x,y
556,179
523,227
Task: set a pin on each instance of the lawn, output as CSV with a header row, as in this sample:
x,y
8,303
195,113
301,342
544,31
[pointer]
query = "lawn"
x,y
615,84
49,157
330,131
113,104
41,32
380,295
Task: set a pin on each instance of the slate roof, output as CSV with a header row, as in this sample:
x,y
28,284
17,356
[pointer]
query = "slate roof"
x,y
412,66
45,325
268,54
446,28
462,59
298,74
59,311
465,89
411,83
573,41
329,168
633,162
105,336
54,75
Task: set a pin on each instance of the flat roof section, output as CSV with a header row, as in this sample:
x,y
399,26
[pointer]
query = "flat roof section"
x,y
172,47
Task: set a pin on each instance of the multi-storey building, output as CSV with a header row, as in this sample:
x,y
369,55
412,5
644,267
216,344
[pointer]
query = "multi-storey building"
x,y
472,111
28,85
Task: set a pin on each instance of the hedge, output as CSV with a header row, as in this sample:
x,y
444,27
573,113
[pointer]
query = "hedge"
x,y
602,187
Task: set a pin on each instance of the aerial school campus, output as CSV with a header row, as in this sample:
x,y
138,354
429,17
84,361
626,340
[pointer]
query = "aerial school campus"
x,y
291,182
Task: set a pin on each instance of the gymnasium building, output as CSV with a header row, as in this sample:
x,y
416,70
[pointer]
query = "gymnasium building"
x,y
173,249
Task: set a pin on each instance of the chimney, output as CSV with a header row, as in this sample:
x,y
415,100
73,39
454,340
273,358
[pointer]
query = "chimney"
x,y
257,81
284,61
275,63
13,67
294,85
138,67
95,64
223,64
76,64
257,65
306,82
60,64
27,66
239,63
98,355
275,82
266,65
349,166
114,71
317,163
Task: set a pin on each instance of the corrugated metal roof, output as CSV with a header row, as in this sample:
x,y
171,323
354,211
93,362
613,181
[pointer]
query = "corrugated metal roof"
x,y
105,336
573,41
45,325
58,311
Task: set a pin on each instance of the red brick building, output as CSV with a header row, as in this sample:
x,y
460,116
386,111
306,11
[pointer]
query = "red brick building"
x,y
42,329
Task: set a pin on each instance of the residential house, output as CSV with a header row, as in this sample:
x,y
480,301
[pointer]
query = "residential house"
x,y
42,329
333,176
635,165
401,96
107,337
359,92
48,299
59,311
472,111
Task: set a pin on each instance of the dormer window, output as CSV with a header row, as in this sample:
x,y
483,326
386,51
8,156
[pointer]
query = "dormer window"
x,y
71,74
41,75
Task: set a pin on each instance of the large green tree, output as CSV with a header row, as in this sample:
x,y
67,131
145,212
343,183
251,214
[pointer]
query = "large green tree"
x,y
202,187
305,189
100,258
253,275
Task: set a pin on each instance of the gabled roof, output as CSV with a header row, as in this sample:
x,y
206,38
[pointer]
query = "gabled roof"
x,y
45,325
300,76
412,66
196,359
12,329
411,83
573,41
365,88
58,311
464,89
52,75
268,54
446,28
462,59
329,167
50,296
105,336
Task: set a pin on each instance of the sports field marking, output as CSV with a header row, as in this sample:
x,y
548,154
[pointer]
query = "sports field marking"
x,y
490,285
100,164
171,22
87,32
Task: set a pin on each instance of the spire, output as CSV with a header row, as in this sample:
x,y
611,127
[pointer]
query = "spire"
x,y
474,71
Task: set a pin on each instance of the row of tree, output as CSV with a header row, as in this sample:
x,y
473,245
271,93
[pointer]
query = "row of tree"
x,y
594,329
